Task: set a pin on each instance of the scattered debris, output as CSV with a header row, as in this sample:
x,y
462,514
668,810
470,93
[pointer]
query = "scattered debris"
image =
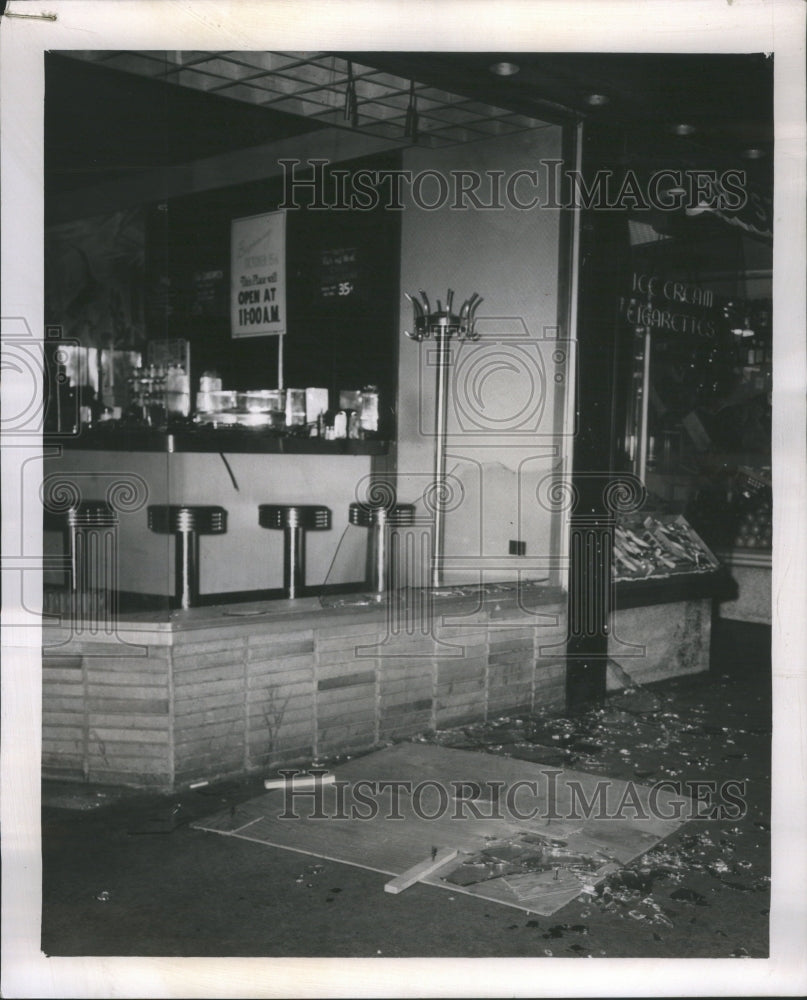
x,y
636,734
308,872
165,821
689,896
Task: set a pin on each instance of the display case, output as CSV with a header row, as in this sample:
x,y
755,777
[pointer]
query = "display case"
x,y
697,323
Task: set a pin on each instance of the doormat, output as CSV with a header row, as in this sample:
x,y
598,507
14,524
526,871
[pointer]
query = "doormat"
x,y
516,832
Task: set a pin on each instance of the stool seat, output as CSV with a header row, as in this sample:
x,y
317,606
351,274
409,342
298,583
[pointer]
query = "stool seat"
x,y
167,519
186,522
309,516
366,515
91,514
295,519
83,514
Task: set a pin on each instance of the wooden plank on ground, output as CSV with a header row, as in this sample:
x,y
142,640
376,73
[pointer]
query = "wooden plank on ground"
x,y
419,871
405,802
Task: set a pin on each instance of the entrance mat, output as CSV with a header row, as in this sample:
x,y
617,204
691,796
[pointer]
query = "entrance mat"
x,y
526,835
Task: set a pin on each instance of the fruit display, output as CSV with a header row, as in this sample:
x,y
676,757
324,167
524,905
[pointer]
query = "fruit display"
x,y
754,502
755,528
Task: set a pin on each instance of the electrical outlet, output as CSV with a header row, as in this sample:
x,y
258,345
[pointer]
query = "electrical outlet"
x,y
517,548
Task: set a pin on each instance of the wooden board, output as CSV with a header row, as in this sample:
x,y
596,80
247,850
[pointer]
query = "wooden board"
x,y
401,834
421,871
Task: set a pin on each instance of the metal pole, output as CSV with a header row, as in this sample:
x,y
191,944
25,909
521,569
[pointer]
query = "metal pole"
x,y
443,339
187,568
379,531
442,325
641,467
293,572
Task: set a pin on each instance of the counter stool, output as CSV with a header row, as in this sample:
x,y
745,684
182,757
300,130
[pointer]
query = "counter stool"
x,y
295,520
91,530
186,523
380,517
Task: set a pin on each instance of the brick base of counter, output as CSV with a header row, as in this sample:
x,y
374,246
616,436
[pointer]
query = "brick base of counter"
x,y
210,695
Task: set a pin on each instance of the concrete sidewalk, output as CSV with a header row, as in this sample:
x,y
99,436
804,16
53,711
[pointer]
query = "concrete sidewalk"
x,y
124,873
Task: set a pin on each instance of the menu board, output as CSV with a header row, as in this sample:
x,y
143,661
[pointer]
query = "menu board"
x,y
208,295
339,272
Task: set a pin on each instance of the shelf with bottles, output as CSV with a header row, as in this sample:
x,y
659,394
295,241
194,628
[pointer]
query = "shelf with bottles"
x,y
85,394
300,413
86,386
271,421
159,393
708,400
749,322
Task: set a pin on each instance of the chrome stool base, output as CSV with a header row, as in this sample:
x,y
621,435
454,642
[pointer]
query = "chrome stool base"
x,y
379,518
90,528
186,523
295,520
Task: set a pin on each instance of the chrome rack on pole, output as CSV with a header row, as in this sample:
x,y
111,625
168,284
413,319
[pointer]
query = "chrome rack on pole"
x,y
441,324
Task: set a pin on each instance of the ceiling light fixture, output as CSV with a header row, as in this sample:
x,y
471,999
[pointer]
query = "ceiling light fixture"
x,y
505,68
411,125
351,103
597,100
682,128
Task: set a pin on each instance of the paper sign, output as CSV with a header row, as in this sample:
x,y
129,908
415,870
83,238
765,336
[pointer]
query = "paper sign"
x,y
258,275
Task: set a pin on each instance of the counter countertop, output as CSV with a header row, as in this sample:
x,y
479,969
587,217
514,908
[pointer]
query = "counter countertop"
x,y
310,612
208,439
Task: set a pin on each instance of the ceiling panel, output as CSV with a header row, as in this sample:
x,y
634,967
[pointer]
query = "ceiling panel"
x,y
117,112
310,85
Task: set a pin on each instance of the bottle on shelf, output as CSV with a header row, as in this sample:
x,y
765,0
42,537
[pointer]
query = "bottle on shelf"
x,y
63,417
749,342
368,418
177,392
88,406
156,402
765,334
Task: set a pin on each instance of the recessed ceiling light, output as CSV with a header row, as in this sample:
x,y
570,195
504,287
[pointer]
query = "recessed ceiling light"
x,y
505,68
753,153
683,128
597,100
